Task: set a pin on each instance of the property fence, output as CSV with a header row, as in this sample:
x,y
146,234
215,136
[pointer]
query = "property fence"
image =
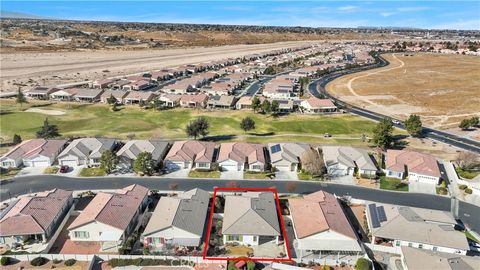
x,y
387,249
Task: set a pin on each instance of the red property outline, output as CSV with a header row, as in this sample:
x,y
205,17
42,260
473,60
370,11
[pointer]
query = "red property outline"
x,y
282,225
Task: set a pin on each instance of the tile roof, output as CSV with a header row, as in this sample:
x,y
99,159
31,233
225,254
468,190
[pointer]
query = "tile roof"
x,y
196,151
194,98
319,212
114,209
33,215
88,147
416,162
114,93
348,156
291,152
416,258
31,148
252,213
241,152
319,103
187,211
132,148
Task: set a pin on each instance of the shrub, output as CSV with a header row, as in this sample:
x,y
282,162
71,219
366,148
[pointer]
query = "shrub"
x,y
70,262
468,190
56,261
362,264
38,261
462,187
140,262
5,261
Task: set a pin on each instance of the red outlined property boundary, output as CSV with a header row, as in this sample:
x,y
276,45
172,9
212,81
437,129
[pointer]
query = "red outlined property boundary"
x,y
279,213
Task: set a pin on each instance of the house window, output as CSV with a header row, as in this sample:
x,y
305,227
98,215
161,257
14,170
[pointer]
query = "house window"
x,y
233,238
435,248
256,167
202,165
410,244
420,245
81,235
255,238
397,243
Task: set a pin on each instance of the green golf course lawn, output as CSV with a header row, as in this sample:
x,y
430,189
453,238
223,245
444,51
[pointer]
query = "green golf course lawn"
x,y
99,120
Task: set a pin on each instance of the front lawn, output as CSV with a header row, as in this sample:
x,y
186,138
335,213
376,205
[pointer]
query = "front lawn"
x,y
466,174
90,172
8,173
239,250
303,175
51,170
204,174
392,184
256,175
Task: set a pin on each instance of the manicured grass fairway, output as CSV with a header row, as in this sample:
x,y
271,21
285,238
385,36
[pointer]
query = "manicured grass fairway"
x,y
98,120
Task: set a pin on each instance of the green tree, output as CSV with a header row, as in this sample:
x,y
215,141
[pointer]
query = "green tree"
x,y
247,124
48,131
17,139
114,107
266,106
382,133
108,161
255,104
144,163
413,125
198,127
275,107
465,124
20,99
250,265
362,264
474,121
111,100
270,70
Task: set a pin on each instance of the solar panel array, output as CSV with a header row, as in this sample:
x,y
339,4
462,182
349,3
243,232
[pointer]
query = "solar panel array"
x,y
275,148
374,215
381,214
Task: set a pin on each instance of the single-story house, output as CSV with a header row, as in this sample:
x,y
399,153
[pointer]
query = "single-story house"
x,y
110,217
245,102
119,95
33,153
190,155
321,226
421,228
85,151
417,166
89,95
316,105
287,156
285,106
193,101
346,160
135,97
181,87
178,221
250,219
161,76
42,93
239,156
65,94
170,100
34,217
102,83
221,102
414,258
136,85
130,150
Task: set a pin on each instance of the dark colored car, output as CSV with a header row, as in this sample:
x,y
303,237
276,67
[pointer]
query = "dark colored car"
x,y
63,169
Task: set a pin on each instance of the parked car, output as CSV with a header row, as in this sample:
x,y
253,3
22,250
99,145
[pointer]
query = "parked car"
x,y
64,169
396,122
327,135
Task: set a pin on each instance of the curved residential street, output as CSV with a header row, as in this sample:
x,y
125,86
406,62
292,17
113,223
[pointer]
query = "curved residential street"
x,y
468,213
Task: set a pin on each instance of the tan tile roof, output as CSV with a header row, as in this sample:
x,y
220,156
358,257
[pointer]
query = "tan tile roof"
x,y
33,147
191,151
319,103
241,152
416,162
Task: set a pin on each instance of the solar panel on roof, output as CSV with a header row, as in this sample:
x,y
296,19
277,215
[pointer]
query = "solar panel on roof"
x,y
374,215
276,148
381,214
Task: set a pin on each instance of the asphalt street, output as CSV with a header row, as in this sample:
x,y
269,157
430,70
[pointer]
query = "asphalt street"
x,y
468,213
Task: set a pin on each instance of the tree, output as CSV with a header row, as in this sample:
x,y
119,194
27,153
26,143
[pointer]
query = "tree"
x,y
414,125
111,100
266,106
17,139
362,264
270,70
274,107
144,163
255,104
467,160
312,162
465,124
198,127
250,265
108,161
382,133
21,98
114,107
247,124
474,121
48,131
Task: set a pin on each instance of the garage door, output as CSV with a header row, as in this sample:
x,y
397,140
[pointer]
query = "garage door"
x,y
70,163
230,167
42,163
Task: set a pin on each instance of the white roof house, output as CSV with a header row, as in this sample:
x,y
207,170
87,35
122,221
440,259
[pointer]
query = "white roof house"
x,y
85,151
178,221
343,160
415,227
286,156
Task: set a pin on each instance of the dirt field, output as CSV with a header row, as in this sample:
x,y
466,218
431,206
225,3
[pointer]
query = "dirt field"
x,y
442,89
66,67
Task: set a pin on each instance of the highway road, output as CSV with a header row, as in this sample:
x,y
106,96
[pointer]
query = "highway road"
x,y
317,88
468,213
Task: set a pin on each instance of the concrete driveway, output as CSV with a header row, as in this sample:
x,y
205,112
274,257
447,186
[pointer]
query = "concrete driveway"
x,y
182,173
344,179
286,175
73,171
420,187
31,171
231,175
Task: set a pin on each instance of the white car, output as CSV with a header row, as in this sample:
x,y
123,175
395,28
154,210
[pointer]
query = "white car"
x,y
396,122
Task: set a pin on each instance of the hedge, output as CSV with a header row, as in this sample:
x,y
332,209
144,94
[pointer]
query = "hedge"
x,y
468,190
39,261
70,262
142,262
5,261
462,187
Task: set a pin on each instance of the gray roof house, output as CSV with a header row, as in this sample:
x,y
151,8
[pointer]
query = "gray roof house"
x,y
178,221
286,156
88,95
251,218
130,150
343,160
415,227
413,258
85,151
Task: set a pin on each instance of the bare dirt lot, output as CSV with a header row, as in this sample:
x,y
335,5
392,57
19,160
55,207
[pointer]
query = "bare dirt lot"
x,y
55,68
442,89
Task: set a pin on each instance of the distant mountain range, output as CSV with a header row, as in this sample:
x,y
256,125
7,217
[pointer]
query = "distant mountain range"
x,y
19,15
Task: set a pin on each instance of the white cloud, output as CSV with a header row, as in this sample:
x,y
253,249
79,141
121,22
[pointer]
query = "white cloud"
x,y
387,14
347,8
411,9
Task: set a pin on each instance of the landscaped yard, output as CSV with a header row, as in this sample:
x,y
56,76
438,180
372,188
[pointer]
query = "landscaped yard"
x,y
392,184
466,174
51,170
98,120
239,250
4,174
256,175
204,174
90,172
303,175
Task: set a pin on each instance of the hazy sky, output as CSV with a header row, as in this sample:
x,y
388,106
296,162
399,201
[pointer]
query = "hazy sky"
x,y
422,14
